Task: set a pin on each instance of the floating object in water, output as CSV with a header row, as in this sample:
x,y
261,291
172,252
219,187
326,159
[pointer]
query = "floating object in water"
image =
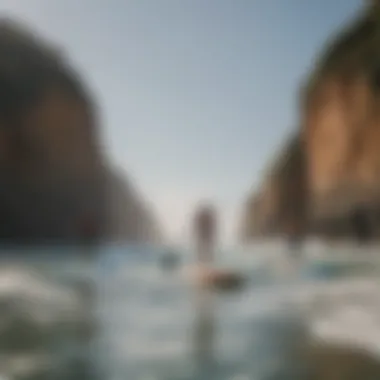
x,y
226,281
222,280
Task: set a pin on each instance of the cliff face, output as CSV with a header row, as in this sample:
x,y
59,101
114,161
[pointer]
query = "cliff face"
x,y
53,174
339,136
279,207
341,124
129,215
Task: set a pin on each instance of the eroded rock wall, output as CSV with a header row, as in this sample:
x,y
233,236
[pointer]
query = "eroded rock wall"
x,y
130,217
339,135
54,176
341,125
279,206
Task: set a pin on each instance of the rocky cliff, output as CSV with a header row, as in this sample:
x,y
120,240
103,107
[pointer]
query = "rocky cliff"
x,y
340,132
131,218
55,180
341,125
279,205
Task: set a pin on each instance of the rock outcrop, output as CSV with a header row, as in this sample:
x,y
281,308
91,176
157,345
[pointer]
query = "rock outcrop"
x,y
280,204
130,216
54,176
340,134
340,127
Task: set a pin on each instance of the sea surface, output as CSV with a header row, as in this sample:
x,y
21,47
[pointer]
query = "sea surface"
x,y
146,316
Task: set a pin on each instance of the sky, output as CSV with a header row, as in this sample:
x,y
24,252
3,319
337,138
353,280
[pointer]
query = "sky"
x,y
195,95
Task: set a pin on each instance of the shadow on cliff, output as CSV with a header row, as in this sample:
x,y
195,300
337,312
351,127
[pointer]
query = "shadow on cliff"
x,y
56,184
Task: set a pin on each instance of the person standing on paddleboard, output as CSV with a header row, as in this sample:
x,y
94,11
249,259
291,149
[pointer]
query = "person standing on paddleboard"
x,y
205,239
205,231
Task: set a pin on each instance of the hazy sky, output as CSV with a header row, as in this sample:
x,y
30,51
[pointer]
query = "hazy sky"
x,y
195,94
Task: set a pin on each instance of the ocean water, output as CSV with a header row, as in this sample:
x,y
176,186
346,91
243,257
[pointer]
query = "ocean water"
x,y
146,317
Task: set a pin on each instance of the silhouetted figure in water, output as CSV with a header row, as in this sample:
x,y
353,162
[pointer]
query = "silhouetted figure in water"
x,y
361,226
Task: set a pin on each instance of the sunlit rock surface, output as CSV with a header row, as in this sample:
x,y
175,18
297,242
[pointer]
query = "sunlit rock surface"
x,y
341,127
55,179
340,123
339,133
